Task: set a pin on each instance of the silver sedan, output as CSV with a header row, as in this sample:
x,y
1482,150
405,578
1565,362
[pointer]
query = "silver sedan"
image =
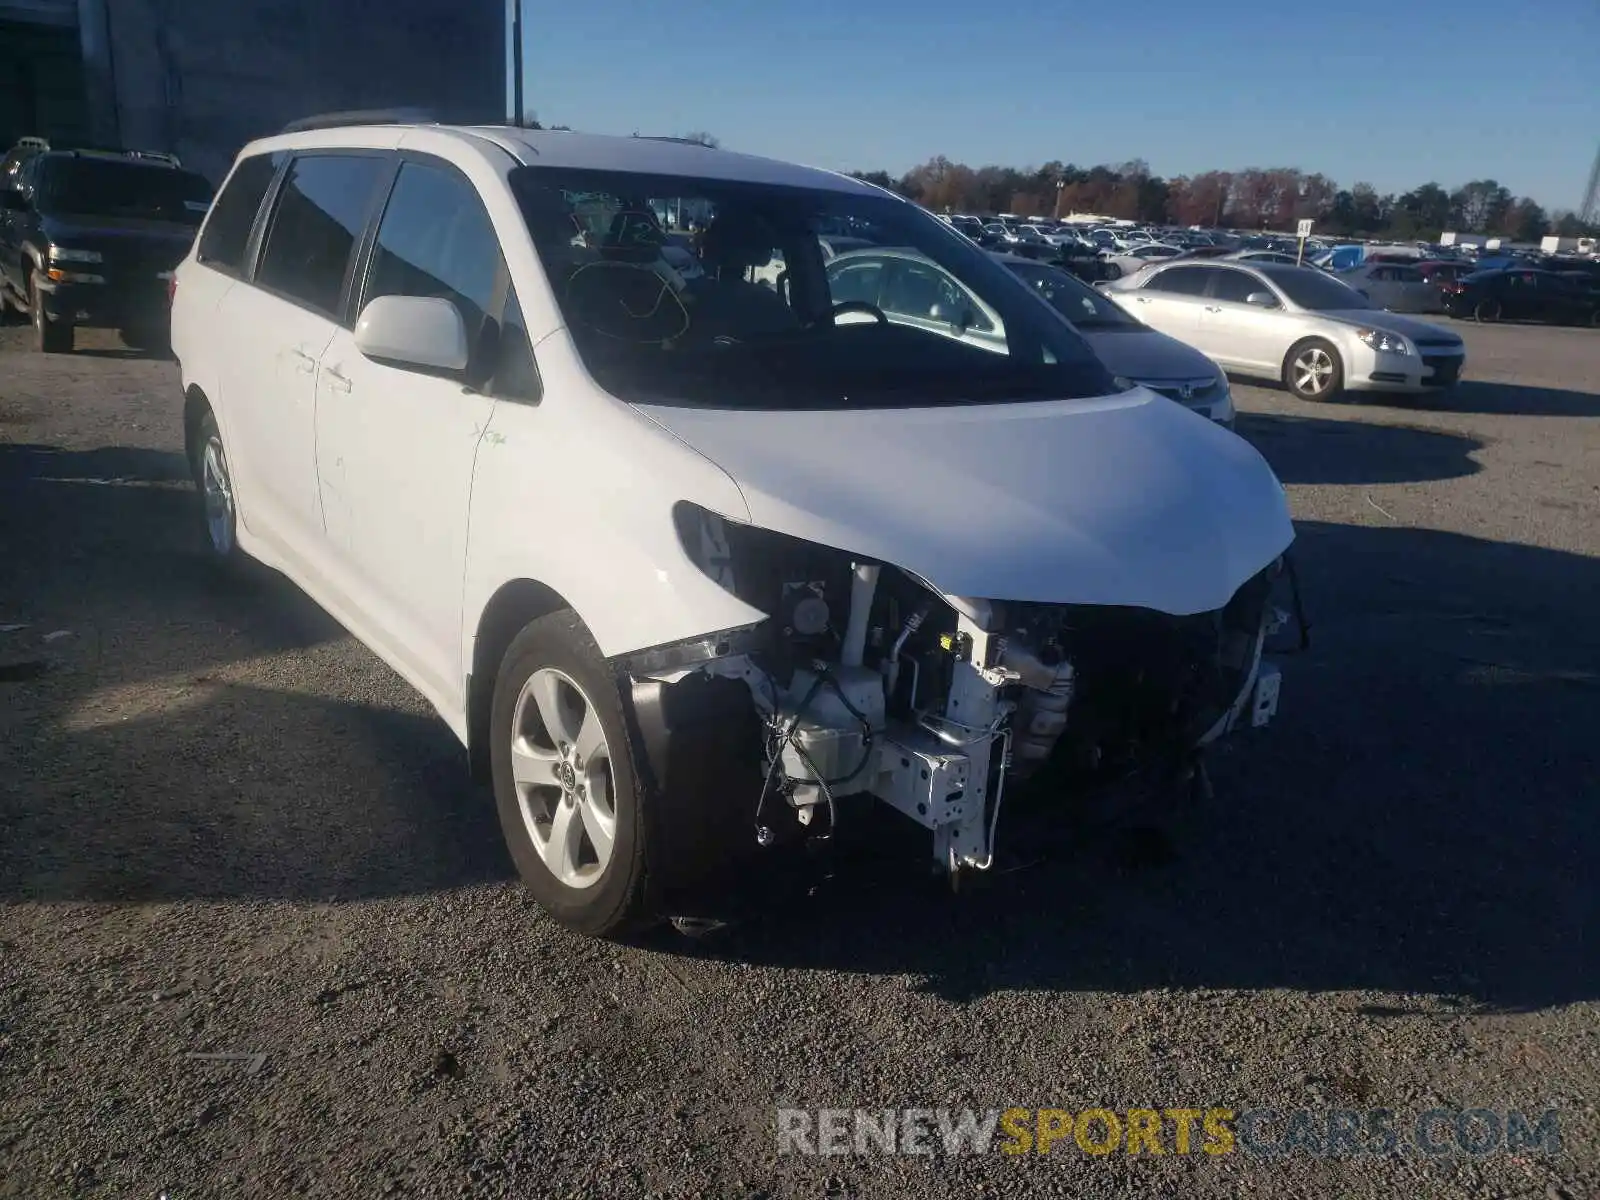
x,y
1397,287
1297,324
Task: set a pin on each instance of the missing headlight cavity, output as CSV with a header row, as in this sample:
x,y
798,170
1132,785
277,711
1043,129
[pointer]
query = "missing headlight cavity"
x,y
864,679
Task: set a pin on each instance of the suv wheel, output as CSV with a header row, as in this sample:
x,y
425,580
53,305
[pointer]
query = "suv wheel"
x,y
1312,371
564,783
215,482
49,337
1487,310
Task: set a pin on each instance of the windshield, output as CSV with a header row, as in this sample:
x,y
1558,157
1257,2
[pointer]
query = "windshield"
x,y
767,321
1311,289
1071,297
113,187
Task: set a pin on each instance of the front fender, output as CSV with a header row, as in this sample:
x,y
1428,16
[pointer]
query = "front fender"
x,y
577,493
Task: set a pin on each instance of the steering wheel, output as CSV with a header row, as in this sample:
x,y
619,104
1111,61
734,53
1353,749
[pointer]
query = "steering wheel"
x,y
849,306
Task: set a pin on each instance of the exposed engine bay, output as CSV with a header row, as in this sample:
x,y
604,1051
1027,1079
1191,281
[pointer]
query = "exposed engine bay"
x,y
865,679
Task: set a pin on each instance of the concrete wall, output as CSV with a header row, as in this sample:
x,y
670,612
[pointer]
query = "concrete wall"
x,y
202,77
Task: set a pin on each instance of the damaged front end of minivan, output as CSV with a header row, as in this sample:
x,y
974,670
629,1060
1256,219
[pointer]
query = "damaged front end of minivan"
x,y
865,678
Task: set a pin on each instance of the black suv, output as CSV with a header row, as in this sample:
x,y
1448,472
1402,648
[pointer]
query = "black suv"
x,y
90,237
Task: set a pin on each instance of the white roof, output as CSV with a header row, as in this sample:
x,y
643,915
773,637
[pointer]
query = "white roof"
x,y
653,156
588,151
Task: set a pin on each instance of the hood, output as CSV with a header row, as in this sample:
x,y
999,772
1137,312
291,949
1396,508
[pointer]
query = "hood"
x,y
1410,327
1146,355
1126,500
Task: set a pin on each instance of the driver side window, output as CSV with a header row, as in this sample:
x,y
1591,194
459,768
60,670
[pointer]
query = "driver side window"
x,y
858,281
924,292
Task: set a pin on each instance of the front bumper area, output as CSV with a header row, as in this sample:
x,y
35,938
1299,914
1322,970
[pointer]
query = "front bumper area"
x,y
1427,371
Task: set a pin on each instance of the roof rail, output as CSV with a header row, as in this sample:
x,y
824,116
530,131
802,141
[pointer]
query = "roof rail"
x,y
160,156
365,116
682,141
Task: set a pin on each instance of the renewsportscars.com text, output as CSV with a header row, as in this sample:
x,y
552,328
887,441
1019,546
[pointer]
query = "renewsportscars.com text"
x,y
1257,1132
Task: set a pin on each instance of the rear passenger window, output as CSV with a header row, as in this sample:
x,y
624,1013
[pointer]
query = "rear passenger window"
x,y
227,232
319,215
436,239
1182,281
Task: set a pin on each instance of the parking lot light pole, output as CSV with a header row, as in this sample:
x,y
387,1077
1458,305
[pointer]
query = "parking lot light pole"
x,y
516,63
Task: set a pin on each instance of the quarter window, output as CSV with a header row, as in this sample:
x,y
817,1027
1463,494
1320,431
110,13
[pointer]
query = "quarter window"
x,y
223,241
320,212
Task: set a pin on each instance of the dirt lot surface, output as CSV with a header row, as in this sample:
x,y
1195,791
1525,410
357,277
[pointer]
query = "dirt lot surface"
x,y
226,828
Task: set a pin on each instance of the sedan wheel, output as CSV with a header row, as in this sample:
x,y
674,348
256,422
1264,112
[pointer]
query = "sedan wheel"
x,y
1487,310
1313,371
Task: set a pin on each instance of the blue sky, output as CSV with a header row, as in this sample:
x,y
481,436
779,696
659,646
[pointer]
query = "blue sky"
x,y
1394,92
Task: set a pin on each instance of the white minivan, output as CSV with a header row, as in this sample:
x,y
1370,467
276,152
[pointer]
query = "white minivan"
x,y
684,559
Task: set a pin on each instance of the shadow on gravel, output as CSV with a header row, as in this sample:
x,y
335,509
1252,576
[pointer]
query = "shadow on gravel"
x,y
1317,450
138,770
125,354
1508,399
1419,819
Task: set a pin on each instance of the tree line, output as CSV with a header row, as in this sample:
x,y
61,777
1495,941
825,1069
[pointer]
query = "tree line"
x,y
1254,198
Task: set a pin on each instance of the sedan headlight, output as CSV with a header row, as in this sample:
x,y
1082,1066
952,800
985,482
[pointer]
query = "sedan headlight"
x,y
68,254
1384,341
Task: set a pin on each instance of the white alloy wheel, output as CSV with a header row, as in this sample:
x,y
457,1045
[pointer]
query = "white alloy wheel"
x,y
1313,371
561,767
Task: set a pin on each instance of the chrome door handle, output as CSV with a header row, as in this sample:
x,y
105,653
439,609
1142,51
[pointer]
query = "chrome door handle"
x,y
336,381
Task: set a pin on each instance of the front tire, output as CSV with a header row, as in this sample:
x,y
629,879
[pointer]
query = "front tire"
x,y
49,337
1486,311
1313,370
564,783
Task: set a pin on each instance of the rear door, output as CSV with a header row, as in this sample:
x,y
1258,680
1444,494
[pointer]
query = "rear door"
x,y
1519,295
395,446
278,329
1170,301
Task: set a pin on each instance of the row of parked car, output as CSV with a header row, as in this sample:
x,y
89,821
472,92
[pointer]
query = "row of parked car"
x,y
1423,279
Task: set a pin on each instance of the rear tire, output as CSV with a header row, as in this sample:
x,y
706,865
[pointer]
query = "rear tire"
x,y
49,337
568,797
1312,370
1486,311
214,481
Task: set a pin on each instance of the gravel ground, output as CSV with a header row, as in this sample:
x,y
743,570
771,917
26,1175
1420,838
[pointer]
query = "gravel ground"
x,y
225,828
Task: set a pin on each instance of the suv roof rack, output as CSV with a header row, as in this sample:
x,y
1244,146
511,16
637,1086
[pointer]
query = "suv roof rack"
x,y
45,146
364,116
